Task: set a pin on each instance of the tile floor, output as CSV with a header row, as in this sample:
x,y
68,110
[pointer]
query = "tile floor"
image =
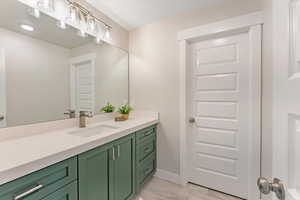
x,y
158,189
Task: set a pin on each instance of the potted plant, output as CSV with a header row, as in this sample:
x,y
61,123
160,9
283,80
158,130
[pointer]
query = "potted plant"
x,y
108,108
124,111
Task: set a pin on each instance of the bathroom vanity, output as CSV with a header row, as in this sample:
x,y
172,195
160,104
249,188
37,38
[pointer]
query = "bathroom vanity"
x,y
113,164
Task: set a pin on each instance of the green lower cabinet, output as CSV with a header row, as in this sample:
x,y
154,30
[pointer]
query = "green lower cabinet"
x,y
145,156
114,171
123,176
68,192
107,172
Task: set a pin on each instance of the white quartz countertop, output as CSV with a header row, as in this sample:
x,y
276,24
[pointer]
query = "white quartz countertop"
x,y
24,155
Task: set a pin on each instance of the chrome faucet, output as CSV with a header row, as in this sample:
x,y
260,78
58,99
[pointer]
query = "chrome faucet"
x,y
71,113
82,118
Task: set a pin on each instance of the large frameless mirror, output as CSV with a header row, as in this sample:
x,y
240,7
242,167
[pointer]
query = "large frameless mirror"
x,y
47,71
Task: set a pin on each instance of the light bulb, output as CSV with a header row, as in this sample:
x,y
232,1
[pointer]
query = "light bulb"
x,y
91,23
82,33
61,24
73,14
83,21
36,13
98,40
107,34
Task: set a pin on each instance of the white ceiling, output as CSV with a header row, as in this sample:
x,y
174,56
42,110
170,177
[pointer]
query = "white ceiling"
x,y
134,13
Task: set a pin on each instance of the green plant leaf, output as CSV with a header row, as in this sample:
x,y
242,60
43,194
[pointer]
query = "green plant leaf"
x,y
108,108
125,109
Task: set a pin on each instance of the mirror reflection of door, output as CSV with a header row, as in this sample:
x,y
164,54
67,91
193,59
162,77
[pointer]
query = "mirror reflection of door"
x,y
82,86
2,90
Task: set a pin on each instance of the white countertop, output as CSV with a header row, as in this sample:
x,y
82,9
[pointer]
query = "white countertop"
x,y
24,155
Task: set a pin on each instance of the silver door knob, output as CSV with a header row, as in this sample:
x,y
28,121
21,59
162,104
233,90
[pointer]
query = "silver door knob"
x,y
2,117
266,187
192,120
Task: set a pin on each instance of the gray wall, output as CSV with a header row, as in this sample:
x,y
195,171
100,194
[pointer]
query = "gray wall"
x,y
154,70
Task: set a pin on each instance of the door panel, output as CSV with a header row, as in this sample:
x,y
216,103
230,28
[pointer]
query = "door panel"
x,y
221,104
94,174
123,169
286,129
82,81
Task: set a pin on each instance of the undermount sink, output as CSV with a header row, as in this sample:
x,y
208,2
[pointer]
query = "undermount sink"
x,y
88,132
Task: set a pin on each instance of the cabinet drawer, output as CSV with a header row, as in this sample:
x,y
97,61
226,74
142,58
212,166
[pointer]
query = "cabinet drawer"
x,y
68,192
41,183
146,148
146,169
142,135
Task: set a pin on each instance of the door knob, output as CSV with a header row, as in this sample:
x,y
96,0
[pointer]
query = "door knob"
x,y
2,117
192,120
267,187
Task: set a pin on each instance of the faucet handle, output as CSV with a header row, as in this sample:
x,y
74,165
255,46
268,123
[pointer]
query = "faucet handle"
x,y
90,114
86,113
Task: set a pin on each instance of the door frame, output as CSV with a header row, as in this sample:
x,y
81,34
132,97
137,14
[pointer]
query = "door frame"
x,y
251,24
73,61
3,87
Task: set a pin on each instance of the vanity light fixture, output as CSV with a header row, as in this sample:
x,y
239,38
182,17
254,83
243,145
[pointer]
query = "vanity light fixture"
x,y
87,22
27,27
79,16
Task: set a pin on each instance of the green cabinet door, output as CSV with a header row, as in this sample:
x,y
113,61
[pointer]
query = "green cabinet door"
x,y
94,174
108,172
123,181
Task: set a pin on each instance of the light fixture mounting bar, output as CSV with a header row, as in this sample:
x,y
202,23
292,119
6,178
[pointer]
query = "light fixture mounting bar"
x,y
86,12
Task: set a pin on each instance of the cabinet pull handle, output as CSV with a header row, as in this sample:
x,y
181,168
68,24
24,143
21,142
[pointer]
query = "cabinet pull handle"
x,y
113,153
119,151
28,192
148,133
147,149
148,170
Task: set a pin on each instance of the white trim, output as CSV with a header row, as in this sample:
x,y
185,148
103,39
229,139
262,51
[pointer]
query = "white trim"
x,y
73,61
252,24
255,36
2,88
231,24
168,176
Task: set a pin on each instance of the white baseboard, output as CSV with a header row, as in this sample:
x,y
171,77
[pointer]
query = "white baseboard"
x,y
168,176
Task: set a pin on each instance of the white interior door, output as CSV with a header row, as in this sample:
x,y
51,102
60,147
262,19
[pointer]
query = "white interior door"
x,y
83,84
2,90
218,147
286,131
